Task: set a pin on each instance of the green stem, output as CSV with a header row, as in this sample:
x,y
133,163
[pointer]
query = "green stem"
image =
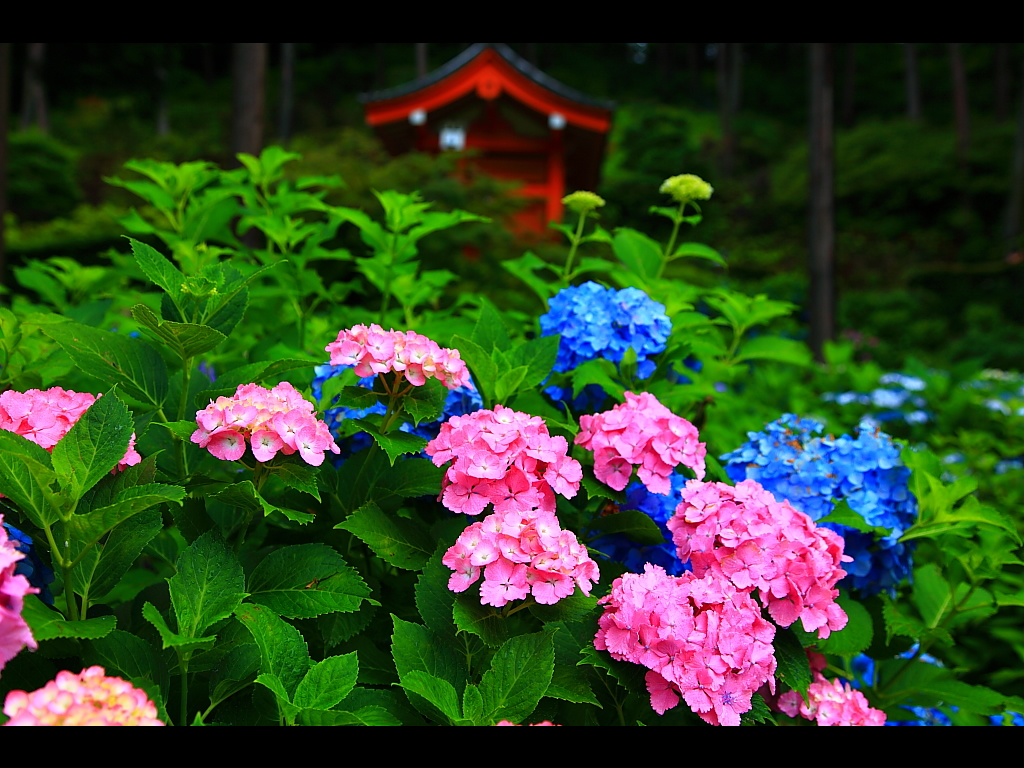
x,y
567,271
183,659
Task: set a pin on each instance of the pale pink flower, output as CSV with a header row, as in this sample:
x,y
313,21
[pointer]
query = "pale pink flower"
x,y
14,632
372,350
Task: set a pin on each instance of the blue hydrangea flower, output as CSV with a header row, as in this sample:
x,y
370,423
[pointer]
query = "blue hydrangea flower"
x,y
595,321
898,400
31,567
659,508
460,401
814,472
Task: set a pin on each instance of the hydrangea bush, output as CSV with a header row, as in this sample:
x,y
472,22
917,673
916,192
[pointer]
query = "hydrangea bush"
x,y
474,552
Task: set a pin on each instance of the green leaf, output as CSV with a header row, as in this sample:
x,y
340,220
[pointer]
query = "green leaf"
x,y
185,340
307,580
699,251
282,695
434,600
394,444
569,680
125,655
575,607
208,585
328,682
483,368
93,446
856,636
158,269
438,692
47,624
94,525
898,622
598,371
412,478
426,403
129,363
539,356
509,383
371,715
357,397
170,638
122,548
400,542
236,671
182,430
526,268
244,495
480,620
640,254
26,477
519,675
283,652
416,648
473,705
844,514
793,667
490,333
774,348
631,523
300,476
932,594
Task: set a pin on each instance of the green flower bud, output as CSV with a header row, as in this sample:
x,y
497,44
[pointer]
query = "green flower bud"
x,y
582,202
687,187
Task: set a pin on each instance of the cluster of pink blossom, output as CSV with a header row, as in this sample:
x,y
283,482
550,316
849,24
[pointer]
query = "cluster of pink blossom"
x,y
831,702
502,457
743,535
641,432
373,350
509,722
273,420
14,632
521,552
88,698
700,638
44,417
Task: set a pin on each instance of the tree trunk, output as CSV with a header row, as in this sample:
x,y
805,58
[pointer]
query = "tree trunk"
x,y
421,60
1002,81
287,97
33,107
821,214
913,82
250,66
960,110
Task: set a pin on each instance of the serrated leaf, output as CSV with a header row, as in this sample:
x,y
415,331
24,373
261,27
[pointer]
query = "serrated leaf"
x,y
416,648
434,600
526,268
480,620
473,705
359,398
160,270
509,383
93,446
898,622
307,580
26,477
129,363
236,671
631,523
856,636
575,607
400,542
412,477
793,668
92,526
208,586
370,715
489,332
932,594
122,548
125,655
519,675
282,695
186,340
47,624
299,476
844,514
598,371
182,430
244,495
283,652
170,638
394,444
483,368
328,682
438,692
569,680
758,713
425,404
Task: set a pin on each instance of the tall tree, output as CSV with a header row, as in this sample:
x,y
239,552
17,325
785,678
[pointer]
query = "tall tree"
x,y
249,75
821,235
960,110
913,82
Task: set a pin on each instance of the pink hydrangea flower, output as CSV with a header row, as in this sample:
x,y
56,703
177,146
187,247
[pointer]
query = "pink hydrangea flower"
x,y
509,722
830,702
643,433
88,698
743,535
701,638
520,553
502,457
273,421
372,351
45,416
14,632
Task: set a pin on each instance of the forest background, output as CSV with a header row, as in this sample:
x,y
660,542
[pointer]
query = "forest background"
x,y
927,255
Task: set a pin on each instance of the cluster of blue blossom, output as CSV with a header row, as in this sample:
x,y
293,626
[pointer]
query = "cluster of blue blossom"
x,y
660,509
31,567
459,401
813,473
595,321
898,399
1003,391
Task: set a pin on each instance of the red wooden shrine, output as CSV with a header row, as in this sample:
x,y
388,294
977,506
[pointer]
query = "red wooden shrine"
x,y
523,124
